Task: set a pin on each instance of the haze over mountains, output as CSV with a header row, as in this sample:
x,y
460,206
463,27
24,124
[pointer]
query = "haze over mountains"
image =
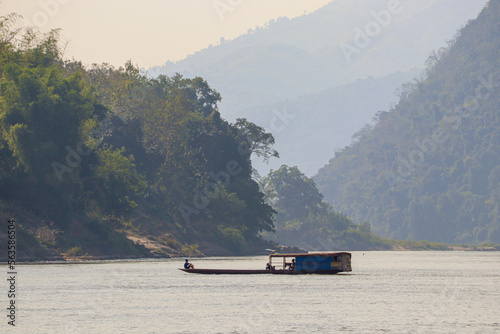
x,y
430,168
279,66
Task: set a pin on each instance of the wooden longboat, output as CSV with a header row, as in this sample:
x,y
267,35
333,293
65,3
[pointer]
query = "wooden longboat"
x,y
226,271
307,263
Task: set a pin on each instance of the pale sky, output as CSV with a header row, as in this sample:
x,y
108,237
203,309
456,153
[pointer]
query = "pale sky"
x,y
149,32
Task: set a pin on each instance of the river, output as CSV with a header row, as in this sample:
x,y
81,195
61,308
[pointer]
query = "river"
x,y
387,292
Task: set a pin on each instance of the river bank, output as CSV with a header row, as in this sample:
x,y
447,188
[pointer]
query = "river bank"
x,y
75,259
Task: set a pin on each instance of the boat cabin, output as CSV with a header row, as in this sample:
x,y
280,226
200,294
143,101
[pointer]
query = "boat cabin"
x,y
311,263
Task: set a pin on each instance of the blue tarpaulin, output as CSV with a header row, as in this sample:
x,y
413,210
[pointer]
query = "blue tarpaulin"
x,y
311,263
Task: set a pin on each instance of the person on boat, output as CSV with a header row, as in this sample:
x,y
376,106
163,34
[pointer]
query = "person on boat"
x,y
268,266
188,265
292,265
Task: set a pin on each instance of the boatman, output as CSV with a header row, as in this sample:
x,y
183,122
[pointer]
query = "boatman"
x,y
188,265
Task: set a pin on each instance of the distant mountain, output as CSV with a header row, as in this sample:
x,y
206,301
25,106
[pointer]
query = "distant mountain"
x,y
304,54
268,73
310,128
430,168
342,42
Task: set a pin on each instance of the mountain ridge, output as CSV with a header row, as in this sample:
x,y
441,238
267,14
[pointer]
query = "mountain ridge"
x,y
429,169
289,58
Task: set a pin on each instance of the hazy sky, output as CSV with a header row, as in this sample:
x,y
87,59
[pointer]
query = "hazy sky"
x,y
149,32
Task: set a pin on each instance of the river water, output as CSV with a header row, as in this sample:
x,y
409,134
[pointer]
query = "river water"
x,y
387,292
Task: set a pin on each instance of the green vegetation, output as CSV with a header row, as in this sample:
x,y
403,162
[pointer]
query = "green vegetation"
x,y
103,161
91,151
75,251
303,219
429,168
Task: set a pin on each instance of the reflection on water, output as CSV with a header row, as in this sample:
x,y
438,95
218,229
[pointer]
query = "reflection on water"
x,y
387,292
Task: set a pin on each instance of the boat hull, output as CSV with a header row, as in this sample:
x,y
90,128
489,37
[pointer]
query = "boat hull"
x,y
255,272
225,271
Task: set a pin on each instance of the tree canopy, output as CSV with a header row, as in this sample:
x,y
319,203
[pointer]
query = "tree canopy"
x,y
102,145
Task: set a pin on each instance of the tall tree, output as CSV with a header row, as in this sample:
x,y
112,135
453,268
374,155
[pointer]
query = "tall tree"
x,y
292,194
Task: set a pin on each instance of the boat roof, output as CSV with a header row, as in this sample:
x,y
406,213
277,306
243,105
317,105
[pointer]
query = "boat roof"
x,y
310,254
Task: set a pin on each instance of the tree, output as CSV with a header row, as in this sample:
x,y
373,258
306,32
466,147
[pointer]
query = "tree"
x,y
292,194
255,140
117,180
201,97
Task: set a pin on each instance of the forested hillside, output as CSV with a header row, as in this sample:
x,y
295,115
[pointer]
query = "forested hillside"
x,y
430,167
91,155
303,219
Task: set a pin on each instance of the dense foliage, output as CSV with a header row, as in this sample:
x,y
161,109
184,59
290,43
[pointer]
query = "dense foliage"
x,y
430,168
305,220
102,148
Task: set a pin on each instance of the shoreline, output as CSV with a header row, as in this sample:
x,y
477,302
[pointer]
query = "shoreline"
x,y
109,259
